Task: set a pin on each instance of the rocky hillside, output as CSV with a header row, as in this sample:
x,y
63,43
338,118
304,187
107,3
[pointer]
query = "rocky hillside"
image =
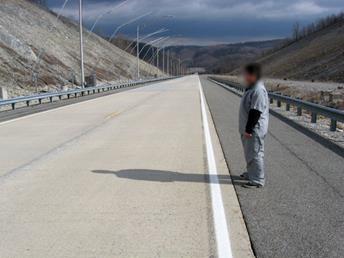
x,y
318,56
39,52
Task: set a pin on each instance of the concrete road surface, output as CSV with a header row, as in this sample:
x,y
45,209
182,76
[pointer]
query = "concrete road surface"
x,y
300,211
119,176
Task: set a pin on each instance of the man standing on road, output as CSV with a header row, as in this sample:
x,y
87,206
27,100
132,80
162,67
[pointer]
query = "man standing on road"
x,y
253,125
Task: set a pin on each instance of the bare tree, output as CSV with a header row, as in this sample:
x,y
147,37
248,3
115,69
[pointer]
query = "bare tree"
x,y
296,31
299,32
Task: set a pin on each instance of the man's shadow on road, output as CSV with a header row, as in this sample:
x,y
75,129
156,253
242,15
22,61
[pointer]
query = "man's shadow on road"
x,y
167,176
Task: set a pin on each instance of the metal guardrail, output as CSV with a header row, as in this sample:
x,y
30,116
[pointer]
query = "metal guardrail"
x,y
76,92
334,114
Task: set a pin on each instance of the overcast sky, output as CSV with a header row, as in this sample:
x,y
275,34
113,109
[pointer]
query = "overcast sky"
x,y
203,22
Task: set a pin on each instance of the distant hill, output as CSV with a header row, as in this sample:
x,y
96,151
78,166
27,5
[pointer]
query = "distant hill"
x,y
37,52
219,59
317,53
212,59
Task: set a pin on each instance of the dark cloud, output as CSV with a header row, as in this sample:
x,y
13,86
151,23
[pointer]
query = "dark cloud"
x,y
206,21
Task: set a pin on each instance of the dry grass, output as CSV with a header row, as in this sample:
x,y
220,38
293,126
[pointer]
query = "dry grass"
x,y
318,57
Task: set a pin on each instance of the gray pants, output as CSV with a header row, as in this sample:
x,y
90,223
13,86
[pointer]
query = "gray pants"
x,y
254,155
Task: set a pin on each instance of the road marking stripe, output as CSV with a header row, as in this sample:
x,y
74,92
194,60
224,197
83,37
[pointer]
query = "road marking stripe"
x,y
224,249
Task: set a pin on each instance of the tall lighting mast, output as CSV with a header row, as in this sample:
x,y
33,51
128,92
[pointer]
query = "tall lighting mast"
x,y
138,51
82,79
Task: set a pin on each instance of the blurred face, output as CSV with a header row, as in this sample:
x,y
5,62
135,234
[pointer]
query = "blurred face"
x,y
249,79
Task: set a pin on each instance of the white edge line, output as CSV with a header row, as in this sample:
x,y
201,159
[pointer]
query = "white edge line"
x,y
224,249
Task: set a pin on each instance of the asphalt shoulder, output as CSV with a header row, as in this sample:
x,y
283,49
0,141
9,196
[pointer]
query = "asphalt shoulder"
x,y
299,212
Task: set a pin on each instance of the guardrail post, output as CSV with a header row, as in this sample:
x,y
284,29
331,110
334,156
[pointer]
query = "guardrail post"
x,y
13,106
279,104
333,127
68,96
299,111
287,107
60,97
271,100
28,103
314,118
51,99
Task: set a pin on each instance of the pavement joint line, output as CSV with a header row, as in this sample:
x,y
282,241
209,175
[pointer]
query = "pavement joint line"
x,y
50,110
62,107
69,142
224,249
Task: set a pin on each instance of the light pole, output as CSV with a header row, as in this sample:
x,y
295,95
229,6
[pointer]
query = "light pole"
x,y
100,16
82,75
156,55
152,45
138,51
173,65
138,46
158,58
183,69
151,48
163,60
113,35
176,67
168,62
143,38
138,39
95,24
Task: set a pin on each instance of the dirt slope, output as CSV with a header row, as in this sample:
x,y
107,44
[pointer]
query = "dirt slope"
x,y
319,56
27,30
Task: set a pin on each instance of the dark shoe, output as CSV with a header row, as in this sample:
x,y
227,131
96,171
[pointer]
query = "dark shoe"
x,y
251,185
244,176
